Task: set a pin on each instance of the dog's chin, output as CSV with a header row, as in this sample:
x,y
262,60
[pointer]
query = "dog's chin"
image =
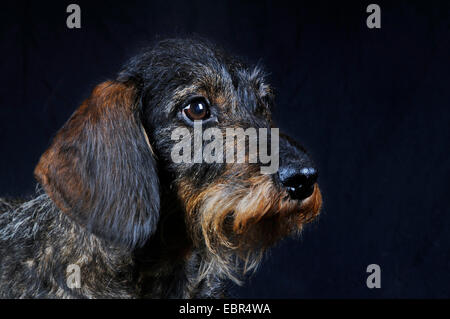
x,y
229,220
286,218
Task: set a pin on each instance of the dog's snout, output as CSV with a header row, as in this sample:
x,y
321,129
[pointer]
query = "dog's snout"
x,y
299,182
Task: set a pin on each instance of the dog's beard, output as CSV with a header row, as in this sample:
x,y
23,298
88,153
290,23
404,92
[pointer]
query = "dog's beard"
x,y
238,217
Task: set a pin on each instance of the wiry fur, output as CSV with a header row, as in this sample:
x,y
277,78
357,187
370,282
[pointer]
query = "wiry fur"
x,y
136,223
38,242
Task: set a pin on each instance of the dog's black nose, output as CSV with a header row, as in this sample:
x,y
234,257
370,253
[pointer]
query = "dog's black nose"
x,y
299,182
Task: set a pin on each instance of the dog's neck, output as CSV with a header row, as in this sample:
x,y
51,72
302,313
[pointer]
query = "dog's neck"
x,y
166,267
169,266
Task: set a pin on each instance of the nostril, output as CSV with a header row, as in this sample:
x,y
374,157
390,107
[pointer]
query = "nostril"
x,y
299,183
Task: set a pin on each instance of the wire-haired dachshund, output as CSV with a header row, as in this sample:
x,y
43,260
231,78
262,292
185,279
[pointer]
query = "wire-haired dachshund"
x,y
115,216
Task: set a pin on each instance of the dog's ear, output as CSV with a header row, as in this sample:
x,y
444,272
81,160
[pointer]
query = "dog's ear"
x,y
100,168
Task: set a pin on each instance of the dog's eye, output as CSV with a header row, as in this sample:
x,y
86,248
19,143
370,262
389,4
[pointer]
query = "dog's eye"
x,y
197,109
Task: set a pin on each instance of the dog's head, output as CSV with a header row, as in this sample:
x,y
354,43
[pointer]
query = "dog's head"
x,y
119,154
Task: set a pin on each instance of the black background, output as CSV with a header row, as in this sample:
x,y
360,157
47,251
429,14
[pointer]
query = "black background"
x,y
371,106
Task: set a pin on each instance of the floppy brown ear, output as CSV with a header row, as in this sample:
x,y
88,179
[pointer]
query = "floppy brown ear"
x,y
100,168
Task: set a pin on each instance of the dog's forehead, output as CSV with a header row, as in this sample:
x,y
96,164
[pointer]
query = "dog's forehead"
x,y
176,69
203,67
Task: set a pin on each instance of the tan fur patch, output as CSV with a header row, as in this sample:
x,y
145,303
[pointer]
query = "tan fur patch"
x,y
246,216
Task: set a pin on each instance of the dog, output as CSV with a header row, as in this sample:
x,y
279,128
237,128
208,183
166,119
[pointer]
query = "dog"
x,y
115,217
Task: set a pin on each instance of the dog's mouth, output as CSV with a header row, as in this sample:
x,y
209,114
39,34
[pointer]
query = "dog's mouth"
x,y
292,214
243,216
310,206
